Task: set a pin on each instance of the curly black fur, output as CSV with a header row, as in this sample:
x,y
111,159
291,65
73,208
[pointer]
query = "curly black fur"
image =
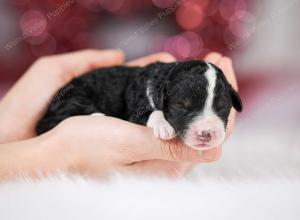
x,y
121,92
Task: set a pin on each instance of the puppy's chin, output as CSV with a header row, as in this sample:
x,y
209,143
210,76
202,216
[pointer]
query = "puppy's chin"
x,y
205,145
202,147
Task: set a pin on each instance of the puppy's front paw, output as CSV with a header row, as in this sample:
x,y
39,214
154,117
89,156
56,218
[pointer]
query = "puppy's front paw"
x,y
164,131
162,128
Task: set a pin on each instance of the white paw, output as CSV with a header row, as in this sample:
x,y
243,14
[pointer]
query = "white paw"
x,y
164,131
97,114
162,128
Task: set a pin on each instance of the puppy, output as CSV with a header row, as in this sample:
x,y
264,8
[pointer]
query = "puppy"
x,y
189,99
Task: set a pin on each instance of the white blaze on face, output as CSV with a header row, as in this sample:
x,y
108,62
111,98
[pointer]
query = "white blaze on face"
x,y
207,130
211,77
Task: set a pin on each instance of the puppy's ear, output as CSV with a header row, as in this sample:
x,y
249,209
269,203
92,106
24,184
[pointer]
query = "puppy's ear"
x,y
162,95
236,100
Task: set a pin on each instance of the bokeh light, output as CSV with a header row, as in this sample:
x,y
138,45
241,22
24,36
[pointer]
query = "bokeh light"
x,y
189,16
210,7
240,23
237,28
33,23
184,45
196,43
169,46
244,16
228,8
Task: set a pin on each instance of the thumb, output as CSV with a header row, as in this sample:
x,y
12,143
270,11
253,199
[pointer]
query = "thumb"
x,y
80,62
171,150
175,150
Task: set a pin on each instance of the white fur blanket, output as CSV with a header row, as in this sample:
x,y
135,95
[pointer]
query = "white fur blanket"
x,y
258,177
142,198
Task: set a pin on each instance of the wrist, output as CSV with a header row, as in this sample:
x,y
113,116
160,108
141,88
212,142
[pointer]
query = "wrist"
x,y
34,157
58,155
66,146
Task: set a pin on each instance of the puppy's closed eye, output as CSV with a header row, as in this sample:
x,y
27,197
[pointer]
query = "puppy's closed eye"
x,y
179,106
183,105
186,103
222,102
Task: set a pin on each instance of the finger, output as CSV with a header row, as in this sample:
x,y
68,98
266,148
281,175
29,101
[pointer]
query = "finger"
x,y
159,57
175,150
212,154
76,63
160,167
143,145
48,75
148,147
225,64
231,122
213,57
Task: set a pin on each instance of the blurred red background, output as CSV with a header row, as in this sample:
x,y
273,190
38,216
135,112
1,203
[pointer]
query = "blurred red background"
x,y
187,28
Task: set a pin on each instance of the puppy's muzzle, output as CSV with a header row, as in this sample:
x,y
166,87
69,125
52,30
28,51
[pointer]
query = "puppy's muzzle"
x,y
205,132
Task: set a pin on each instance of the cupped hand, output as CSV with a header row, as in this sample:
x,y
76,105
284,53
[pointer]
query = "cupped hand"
x,y
27,101
98,145
101,143
114,144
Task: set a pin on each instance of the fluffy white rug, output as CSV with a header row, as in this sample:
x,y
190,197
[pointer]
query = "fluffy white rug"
x,y
142,198
258,177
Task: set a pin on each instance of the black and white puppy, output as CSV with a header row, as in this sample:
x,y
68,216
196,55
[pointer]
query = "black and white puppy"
x,y
190,99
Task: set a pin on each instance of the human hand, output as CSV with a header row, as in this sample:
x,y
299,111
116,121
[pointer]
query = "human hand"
x,y
99,145
19,119
130,147
27,101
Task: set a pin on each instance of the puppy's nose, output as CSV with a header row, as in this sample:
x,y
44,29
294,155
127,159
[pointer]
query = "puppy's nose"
x,y
205,136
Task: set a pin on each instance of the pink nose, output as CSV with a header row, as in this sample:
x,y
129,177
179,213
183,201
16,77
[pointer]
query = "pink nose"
x,y
205,136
